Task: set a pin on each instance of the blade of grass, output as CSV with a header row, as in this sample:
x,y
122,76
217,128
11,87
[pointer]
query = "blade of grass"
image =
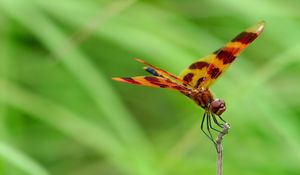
x,y
92,79
8,163
100,19
60,117
4,69
155,39
21,161
64,120
101,16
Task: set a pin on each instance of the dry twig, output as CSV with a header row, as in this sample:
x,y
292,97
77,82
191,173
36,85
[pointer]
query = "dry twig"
x,y
220,149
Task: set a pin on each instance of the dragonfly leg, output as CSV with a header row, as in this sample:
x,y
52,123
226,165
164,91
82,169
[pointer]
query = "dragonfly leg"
x,y
216,122
205,116
222,119
211,124
208,123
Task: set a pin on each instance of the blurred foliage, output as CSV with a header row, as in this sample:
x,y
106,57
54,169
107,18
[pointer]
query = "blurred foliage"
x,y
61,114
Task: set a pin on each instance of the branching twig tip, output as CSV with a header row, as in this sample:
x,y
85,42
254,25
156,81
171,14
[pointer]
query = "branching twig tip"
x,y
219,147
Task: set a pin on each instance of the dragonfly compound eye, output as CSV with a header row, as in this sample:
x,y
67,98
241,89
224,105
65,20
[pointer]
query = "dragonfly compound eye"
x,y
218,106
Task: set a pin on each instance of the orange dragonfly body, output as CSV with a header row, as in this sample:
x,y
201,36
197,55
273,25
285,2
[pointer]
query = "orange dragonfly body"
x,y
195,81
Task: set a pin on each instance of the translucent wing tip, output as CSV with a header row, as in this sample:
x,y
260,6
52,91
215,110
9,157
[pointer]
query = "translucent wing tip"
x,y
258,28
139,60
117,79
261,26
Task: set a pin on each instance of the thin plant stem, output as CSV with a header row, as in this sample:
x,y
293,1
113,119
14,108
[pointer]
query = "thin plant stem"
x,y
220,148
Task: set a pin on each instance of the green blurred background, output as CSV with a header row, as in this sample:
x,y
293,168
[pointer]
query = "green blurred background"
x,y
61,114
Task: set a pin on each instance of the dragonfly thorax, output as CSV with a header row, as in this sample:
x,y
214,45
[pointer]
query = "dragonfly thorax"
x,y
205,99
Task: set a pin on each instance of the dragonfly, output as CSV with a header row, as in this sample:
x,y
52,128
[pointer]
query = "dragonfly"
x,y
195,81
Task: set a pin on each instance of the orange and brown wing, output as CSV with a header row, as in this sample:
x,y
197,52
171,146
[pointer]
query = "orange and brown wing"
x,y
195,73
153,81
205,72
162,73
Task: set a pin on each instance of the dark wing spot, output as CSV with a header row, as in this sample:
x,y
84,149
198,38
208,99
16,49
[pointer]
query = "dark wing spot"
x,y
233,50
188,77
169,81
155,81
199,81
245,37
160,84
130,80
151,79
226,56
199,65
163,85
214,72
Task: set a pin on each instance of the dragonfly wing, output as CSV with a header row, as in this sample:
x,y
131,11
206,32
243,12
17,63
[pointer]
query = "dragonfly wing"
x,y
195,73
160,72
207,70
153,81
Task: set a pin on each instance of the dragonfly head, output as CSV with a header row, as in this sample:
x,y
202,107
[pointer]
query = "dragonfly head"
x,y
217,106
